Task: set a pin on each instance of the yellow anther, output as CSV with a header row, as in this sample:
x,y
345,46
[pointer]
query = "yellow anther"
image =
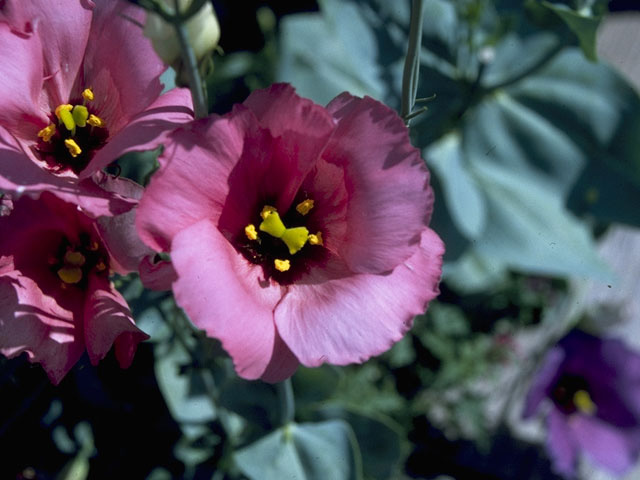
x,y
93,246
100,266
272,224
583,402
47,132
295,238
282,265
63,112
267,210
316,239
70,274
250,232
304,207
80,115
75,259
73,147
87,94
95,121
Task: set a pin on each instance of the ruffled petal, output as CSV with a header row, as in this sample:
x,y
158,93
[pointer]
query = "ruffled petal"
x,y
614,448
225,295
106,318
35,323
120,64
63,29
21,85
157,275
283,362
562,447
147,130
350,318
301,130
390,200
179,194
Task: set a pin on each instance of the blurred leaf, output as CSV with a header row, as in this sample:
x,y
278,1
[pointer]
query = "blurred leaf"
x,y
325,54
307,451
464,199
314,385
184,390
382,442
582,23
473,273
402,353
255,401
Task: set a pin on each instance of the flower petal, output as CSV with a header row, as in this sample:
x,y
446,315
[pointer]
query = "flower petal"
x,y
21,83
224,295
179,194
543,381
33,322
157,275
301,130
562,447
283,362
120,64
351,318
614,448
106,318
390,200
147,130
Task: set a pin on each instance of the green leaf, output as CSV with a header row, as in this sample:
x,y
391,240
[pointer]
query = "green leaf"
x,y
582,23
323,55
307,451
464,199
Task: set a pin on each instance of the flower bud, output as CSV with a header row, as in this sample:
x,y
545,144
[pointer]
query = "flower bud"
x,y
203,32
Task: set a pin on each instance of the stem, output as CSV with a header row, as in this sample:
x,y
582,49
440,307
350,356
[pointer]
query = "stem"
x,y
287,401
411,71
191,67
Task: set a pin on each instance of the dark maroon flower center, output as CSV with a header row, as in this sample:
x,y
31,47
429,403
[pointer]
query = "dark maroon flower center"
x,y
75,133
74,262
571,394
285,245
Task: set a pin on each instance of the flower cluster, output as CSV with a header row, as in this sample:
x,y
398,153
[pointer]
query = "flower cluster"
x,y
298,234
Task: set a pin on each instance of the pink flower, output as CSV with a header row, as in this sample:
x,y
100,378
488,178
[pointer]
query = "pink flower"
x,y
56,298
80,87
298,233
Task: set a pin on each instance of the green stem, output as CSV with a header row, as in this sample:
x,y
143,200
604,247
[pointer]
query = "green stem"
x,y
191,67
411,71
287,401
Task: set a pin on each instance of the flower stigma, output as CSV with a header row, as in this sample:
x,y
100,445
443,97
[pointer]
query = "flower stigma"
x,y
583,402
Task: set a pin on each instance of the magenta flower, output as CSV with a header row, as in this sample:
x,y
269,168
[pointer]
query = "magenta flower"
x,y
298,233
80,87
593,385
56,299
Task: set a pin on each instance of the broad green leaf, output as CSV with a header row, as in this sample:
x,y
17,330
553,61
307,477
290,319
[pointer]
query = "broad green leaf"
x,y
313,386
306,451
530,230
464,199
324,54
473,273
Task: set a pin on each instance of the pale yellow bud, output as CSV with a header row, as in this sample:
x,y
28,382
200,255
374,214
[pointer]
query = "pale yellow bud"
x,y
203,33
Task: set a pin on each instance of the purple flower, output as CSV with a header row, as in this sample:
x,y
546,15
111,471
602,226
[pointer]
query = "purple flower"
x,y
593,385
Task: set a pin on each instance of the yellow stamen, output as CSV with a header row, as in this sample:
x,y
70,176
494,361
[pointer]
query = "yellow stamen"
x,y
70,274
93,246
316,239
266,211
272,224
75,259
80,115
73,147
250,232
100,266
63,112
583,402
304,207
282,265
87,94
295,238
95,121
47,132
